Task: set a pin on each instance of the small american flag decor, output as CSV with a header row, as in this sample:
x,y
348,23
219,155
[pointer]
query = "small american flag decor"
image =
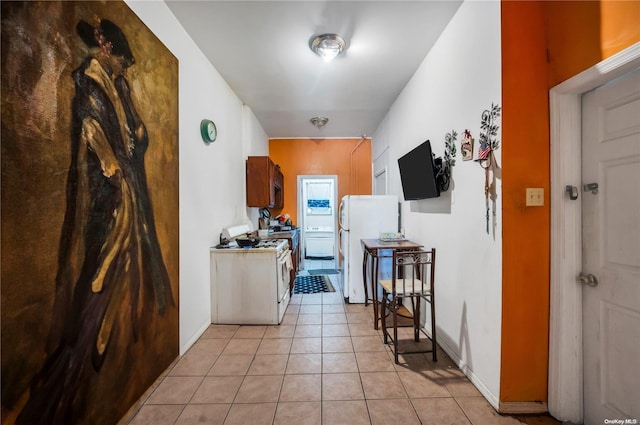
x,y
483,150
488,132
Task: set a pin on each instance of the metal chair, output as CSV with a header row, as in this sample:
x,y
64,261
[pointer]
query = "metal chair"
x,y
412,279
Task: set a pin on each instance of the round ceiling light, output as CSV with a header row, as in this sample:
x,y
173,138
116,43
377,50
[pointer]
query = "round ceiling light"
x,y
319,121
327,46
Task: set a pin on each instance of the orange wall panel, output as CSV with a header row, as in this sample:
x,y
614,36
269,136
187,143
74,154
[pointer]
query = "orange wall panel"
x,y
525,237
574,24
349,159
582,33
543,44
620,25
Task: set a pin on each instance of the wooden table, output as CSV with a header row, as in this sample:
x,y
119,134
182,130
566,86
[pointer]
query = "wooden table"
x,y
374,250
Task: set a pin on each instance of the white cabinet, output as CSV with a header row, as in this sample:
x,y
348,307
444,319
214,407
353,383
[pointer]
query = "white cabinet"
x,y
249,286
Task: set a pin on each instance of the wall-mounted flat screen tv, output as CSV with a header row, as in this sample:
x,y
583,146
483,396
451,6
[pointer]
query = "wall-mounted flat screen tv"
x,y
417,173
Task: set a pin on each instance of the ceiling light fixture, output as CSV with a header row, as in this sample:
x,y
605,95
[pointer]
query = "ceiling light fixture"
x,y
327,46
319,121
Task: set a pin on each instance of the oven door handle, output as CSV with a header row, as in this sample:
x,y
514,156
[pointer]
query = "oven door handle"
x,y
285,261
283,254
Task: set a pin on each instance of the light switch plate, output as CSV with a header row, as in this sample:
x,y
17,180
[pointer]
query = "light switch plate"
x,y
535,196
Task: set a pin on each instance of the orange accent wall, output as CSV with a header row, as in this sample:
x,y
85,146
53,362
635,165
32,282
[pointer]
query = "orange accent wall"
x,y
543,44
525,233
349,159
582,33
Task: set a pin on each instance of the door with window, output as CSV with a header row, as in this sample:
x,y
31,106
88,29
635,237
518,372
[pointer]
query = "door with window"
x,y
611,250
317,213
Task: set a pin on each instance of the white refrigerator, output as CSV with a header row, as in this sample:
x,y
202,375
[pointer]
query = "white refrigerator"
x,y
362,217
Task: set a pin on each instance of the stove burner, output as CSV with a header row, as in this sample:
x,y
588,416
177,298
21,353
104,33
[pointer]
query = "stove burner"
x,y
263,244
268,243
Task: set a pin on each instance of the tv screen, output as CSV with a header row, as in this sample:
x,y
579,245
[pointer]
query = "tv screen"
x,y
417,173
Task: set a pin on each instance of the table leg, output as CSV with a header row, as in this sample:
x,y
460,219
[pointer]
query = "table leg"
x,y
365,263
374,292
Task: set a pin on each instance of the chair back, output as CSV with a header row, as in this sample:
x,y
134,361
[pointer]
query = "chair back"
x,y
413,271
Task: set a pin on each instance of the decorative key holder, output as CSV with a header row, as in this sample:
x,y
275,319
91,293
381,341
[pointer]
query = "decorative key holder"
x,y
488,144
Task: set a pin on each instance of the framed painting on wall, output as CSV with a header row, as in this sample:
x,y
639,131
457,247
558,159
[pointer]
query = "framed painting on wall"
x,y
89,260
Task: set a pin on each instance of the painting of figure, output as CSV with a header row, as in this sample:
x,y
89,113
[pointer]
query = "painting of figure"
x,y
90,261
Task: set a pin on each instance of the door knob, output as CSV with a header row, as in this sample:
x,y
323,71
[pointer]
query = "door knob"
x,y
587,279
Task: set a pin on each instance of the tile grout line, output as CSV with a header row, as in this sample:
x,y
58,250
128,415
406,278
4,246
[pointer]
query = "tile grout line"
x,y
323,373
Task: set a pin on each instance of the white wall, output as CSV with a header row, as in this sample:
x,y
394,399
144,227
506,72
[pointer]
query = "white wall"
x,y
212,178
456,82
256,142
458,79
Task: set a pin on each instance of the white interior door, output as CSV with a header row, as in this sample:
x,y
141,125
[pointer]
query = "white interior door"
x,y
380,182
611,251
317,215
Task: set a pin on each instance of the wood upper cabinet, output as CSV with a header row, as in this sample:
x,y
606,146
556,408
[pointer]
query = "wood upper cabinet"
x,y
278,188
265,183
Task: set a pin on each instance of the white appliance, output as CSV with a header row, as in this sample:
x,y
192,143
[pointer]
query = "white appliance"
x,y
362,217
319,242
250,286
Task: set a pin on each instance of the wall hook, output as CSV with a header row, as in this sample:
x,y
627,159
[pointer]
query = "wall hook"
x,y
572,191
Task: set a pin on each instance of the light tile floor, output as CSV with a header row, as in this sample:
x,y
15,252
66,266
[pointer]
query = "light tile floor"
x,y
325,364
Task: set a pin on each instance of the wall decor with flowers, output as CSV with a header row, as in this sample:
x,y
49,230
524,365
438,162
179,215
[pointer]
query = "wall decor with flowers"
x,y
488,144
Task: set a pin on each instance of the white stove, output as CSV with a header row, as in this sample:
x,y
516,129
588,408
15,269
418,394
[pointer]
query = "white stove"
x,y
249,285
264,244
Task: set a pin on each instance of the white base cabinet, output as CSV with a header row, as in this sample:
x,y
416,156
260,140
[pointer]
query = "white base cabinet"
x,y
249,287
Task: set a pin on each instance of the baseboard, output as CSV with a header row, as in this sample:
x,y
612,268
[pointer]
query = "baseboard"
x,y
522,407
195,337
512,407
464,368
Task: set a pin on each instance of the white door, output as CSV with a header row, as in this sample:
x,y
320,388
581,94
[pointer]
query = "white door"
x,y
611,251
317,211
380,182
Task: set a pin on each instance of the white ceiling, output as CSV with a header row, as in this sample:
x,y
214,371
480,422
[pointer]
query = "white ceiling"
x,y
261,49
